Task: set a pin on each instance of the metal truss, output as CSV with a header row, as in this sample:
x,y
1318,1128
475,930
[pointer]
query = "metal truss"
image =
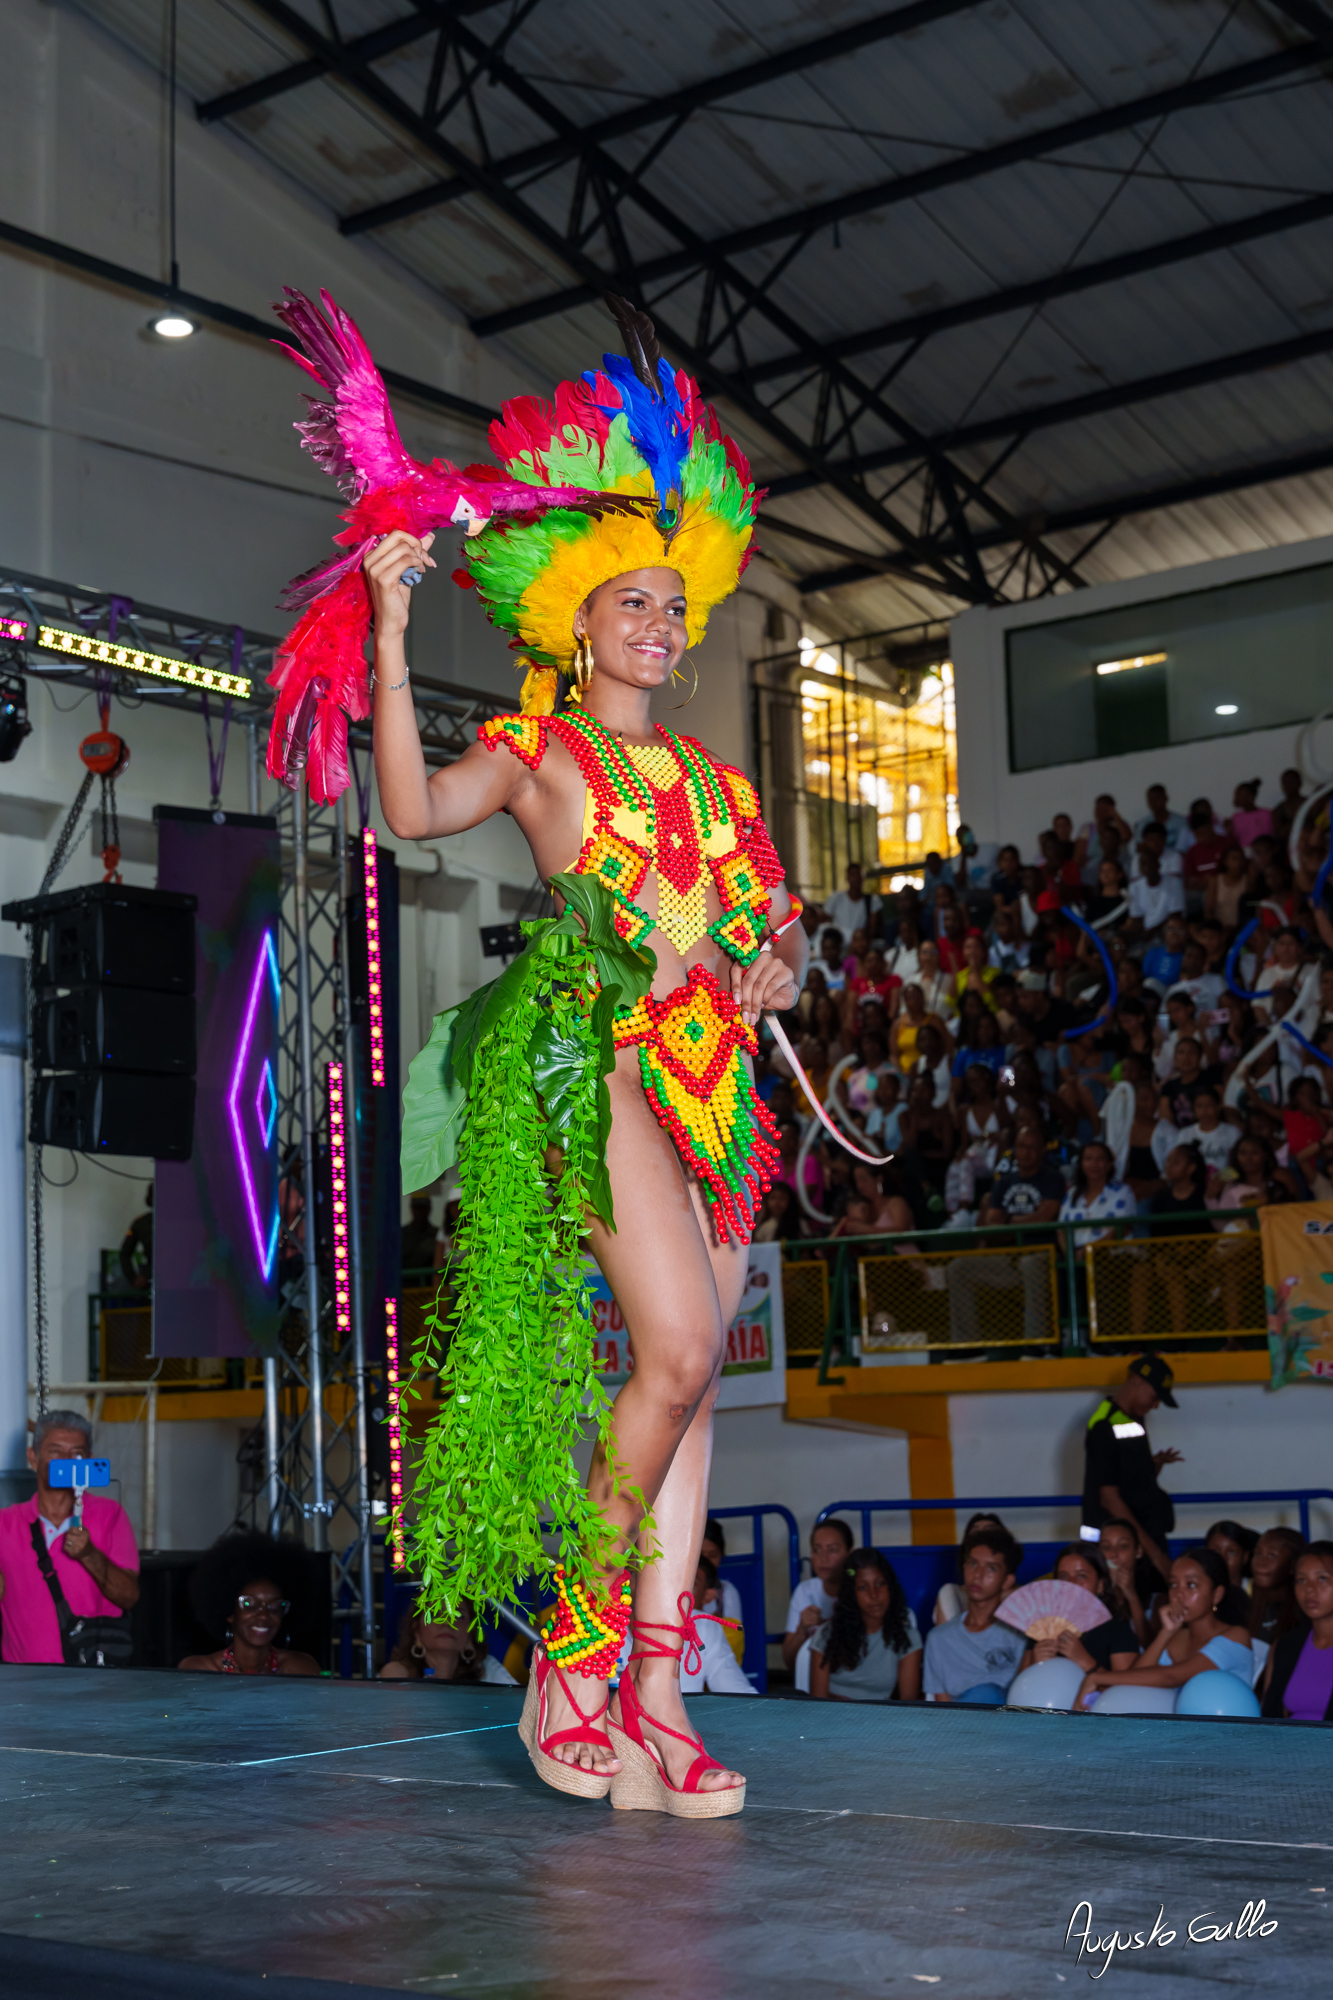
x,y
939,517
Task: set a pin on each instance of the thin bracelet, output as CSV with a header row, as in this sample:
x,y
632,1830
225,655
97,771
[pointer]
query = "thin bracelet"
x,y
390,687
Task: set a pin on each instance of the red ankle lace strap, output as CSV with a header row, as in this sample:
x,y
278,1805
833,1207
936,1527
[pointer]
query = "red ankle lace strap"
x,y
689,1653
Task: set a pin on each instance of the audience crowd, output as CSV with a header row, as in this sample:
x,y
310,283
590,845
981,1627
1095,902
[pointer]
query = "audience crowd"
x,y
946,1021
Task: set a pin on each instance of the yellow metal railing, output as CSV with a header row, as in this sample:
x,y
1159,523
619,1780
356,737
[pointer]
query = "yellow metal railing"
x,y
1177,1287
960,1298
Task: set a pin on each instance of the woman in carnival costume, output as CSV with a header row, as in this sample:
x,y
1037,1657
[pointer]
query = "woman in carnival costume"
x,y
604,1082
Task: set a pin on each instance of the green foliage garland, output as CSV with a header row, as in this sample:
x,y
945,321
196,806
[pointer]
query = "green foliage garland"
x,y
518,1067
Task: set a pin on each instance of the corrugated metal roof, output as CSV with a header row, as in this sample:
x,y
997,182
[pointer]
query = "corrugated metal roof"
x,y
979,78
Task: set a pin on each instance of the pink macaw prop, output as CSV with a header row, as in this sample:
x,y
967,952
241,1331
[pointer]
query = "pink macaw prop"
x,y
320,673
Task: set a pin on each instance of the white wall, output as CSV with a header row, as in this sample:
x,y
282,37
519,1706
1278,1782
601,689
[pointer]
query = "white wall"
x,y
1000,804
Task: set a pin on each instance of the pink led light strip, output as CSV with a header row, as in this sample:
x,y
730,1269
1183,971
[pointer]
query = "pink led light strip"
x,y
342,1281
399,1556
373,956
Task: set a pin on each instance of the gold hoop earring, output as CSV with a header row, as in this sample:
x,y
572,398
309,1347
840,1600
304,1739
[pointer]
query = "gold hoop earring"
x,y
583,662
676,675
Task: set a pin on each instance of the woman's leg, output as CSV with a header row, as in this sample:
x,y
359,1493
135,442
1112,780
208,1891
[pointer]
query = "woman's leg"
x,y
659,1264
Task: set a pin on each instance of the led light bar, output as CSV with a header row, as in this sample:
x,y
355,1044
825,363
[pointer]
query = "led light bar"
x,y
1127,666
135,660
342,1275
373,957
14,629
399,1554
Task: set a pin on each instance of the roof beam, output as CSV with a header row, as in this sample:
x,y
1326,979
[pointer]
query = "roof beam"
x,y
1148,500
1060,284
915,551
1072,409
385,41
656,111
929,180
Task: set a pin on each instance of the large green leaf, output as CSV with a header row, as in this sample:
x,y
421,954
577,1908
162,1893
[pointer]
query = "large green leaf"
x,y
559,1068
434,1106
618,963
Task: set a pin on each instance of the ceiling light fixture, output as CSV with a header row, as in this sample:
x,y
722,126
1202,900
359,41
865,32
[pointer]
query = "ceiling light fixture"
x,y
1126,666
1226,708
174,326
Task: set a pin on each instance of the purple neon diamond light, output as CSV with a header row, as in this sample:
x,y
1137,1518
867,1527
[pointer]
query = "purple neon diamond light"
x,y
267,1119
266,1244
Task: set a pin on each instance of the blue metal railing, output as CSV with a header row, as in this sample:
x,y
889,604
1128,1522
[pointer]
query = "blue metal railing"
x,y
747,1573
993,1504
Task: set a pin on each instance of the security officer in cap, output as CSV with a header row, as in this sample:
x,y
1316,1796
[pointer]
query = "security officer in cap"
x,y
1121,1467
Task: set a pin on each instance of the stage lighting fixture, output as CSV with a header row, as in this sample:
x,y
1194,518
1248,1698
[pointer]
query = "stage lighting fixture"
x,y
15,630
174,326
342,1272
14,723
266,1241
135,660
373,957
1127,666
395,1435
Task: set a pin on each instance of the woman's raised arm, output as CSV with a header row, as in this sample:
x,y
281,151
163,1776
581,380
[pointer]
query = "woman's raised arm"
x,y
418,806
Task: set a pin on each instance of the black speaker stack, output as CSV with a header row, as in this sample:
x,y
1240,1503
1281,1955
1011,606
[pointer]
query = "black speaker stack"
x,y
112,971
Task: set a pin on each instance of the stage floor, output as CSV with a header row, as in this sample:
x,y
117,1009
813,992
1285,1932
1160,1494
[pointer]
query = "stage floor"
x,y
395,1837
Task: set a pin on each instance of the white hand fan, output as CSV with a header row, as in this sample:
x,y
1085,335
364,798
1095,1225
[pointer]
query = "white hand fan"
x,y
1048,1607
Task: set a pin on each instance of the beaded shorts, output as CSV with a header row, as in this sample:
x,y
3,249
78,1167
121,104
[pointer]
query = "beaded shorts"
x,y
692,1048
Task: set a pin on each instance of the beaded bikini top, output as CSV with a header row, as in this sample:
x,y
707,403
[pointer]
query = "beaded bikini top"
x,y
666,806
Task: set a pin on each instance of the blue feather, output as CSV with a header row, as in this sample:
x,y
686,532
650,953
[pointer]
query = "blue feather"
x,y
657,424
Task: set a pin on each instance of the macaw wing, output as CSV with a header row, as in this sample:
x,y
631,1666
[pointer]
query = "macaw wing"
x,y
354,439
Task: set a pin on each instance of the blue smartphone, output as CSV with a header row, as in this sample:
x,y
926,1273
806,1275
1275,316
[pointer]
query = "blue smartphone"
x,y
79,1472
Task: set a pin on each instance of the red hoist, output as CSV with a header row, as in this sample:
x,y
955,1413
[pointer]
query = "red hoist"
x,y
105,754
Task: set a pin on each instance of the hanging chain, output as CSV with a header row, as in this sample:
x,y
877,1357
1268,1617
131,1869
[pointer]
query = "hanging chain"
x,y
38,1239
61,851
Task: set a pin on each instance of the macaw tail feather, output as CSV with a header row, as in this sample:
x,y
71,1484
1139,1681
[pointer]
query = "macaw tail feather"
x,y
321,680
304,590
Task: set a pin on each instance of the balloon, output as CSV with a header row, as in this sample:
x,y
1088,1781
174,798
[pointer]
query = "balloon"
x,y
1137,1700
1216,1693
986,1694
1047,1684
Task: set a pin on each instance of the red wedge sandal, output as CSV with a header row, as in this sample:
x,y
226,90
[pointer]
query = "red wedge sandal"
x,y
586,1638
641,1784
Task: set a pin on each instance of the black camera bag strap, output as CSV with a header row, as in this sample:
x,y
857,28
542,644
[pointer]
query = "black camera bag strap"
x,y
84,1642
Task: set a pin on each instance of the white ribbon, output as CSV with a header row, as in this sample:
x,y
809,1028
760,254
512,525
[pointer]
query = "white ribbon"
x,y
780,1037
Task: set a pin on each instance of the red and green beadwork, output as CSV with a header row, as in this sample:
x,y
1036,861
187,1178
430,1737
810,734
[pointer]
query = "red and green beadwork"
x,y
586,1637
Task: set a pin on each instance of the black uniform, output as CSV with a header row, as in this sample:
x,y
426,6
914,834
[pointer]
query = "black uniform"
x,y
1117,1453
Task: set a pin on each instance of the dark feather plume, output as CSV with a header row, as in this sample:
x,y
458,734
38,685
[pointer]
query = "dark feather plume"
x,y
643,350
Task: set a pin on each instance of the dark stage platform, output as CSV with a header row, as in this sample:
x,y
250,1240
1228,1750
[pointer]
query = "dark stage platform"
x,y
337,1837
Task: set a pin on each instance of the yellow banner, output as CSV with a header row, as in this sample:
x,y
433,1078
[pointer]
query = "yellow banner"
x,y
1298,1290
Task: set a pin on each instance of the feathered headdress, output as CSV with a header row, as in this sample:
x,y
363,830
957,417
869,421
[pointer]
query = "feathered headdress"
x,y
636,428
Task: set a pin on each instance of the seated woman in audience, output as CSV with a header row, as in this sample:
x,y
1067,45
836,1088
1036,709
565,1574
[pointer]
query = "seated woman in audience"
x,y
874,981
1225,891
716,1668
1212,1131
978,1042
1107,898
1095,1194
1300,1669
779,1219
936,984
1182,1197
974,1657
242,1590
1008,947
857,1218
444,1650
933,1059
983,1131
1254,1179
870,1649
1194,1639
949,1599
977,974
1235,1545
857,1087
928,1137
901,959
728,1604
881,1187
1303,1123
1113,1644
911,1018
1273,1606
885,1115
1150,1140
813,1599
1123,1555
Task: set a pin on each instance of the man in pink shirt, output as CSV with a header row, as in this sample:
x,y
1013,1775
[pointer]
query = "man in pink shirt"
x,y
95,1565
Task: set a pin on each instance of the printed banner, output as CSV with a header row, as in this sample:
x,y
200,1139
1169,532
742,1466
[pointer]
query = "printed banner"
x,y
1298,1290
755,1370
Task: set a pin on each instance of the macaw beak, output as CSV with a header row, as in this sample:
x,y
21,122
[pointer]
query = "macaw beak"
x,y
466,516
